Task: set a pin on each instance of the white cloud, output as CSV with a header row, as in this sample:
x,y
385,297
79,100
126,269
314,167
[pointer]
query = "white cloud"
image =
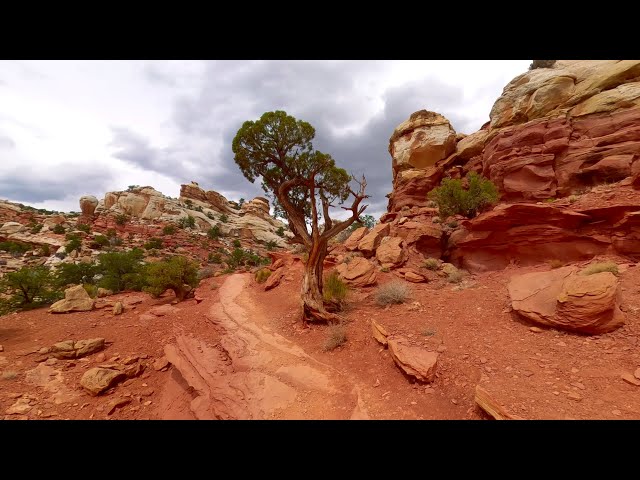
x,y
59,120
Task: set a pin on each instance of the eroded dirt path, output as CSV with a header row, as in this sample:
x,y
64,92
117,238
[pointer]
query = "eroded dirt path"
x,y
251,372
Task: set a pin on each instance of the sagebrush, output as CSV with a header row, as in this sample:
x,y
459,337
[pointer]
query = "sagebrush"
x,y
393,292
601,267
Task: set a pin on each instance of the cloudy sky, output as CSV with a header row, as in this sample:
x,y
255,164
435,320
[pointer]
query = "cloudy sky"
x,y
70,128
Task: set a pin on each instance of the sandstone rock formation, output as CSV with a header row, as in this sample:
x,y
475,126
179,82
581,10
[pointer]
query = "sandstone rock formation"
x,y
391,252
9,228
97,380
358,272
88,204
370,242
352,242
252,221
76,299
531,234
567,299
553,132
274,279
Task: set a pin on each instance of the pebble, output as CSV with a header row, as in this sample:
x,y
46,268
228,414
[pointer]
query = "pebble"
x,y
454,401
574,370
578,385
561,344
1,348
617,413
637,373
414,403
483,360
574,396
627,377
147,403
441,348
536,329
527,373
556,393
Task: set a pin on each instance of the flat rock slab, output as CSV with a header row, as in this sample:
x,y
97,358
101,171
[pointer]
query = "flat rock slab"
x,y
97,380
76,349
414,361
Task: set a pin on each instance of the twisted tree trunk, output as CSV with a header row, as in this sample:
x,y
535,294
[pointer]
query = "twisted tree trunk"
x,y
313,305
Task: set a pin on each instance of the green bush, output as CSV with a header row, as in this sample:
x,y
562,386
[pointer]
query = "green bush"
x,y
91,290
111,233
83,227
36,228
239,257
121,270
45,250
121,219
453,199
262,275
211,216
153,243
75,274
189,203
271,245
58,229
334,289
224,218
173,273
187,222
280,231
601,267
74,243
131,188
214,232
29,287
364,221
214,258
100,241
15,248
542,64
168,230
236,243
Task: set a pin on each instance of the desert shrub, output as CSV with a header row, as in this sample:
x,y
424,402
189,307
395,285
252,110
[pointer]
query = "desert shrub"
x,y
262,275
168,230
224,218
239,257
199,209
455,276
153,243
188,203
121,270
542,64
91,290
187,222
280,231
453,224
172,273
337,335
205,272
453,199
74,243
131,188
15,248
111,233
214,258
214,232
100,241
83,227
431,264
211,215
395,291
29,287
600,267
270,245
236,243
9,375
75,274
121,219
342,236
555,263
573,198
334,289
550,200
45,250
36,228
58,229
385,269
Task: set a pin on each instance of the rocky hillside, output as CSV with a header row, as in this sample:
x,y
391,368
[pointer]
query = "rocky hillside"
x,y
130,219
563,148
